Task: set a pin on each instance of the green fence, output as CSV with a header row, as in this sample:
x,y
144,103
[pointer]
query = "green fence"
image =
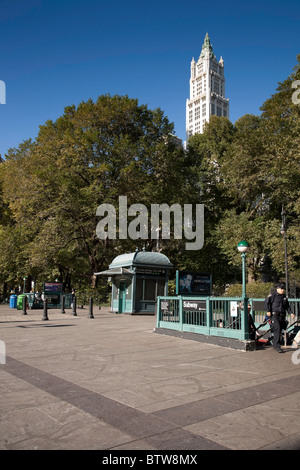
x,y
213,316
34,303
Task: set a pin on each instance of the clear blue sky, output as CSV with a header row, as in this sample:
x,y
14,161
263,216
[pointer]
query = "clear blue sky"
x,y
55,53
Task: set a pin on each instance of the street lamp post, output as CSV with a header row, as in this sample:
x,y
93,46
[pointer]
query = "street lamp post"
x,y
283,232
243,247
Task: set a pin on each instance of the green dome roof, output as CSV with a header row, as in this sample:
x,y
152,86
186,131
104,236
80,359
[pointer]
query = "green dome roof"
x,y
141,258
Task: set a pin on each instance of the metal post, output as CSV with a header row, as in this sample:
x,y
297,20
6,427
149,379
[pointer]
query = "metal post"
x,y
74,313
209,319
243,255
283,232
63,304
24,305
91,308
286,267
245,321
45,311
180,312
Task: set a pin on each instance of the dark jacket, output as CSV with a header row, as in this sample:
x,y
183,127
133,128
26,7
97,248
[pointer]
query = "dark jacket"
x,y
278,304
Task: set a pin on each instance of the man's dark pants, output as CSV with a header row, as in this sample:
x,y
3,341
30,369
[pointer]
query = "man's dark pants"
x,y
278,324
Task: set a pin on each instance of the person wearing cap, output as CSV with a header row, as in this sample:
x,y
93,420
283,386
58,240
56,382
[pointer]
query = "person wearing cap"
x,y
278,305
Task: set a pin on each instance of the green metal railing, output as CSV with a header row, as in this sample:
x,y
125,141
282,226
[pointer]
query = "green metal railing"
x,y
33,303
213,316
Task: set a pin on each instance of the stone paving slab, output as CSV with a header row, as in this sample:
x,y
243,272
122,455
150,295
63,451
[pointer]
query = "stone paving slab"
x,y
112,383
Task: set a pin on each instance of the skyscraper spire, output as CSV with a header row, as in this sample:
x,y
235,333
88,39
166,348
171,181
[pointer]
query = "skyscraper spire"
x,y
207,47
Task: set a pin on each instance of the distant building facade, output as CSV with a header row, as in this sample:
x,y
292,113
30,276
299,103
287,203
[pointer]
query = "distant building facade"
x,y
207,90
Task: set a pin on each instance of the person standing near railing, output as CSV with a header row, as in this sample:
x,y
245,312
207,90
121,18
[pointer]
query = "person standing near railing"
x,y
277,306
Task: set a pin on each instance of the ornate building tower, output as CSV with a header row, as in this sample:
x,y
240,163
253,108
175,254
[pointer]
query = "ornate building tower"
x,y
207,90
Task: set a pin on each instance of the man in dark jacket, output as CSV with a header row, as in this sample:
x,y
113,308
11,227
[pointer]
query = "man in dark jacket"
x,y
277,306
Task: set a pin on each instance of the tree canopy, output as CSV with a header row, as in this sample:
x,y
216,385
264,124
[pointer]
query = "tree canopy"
x,y
91,155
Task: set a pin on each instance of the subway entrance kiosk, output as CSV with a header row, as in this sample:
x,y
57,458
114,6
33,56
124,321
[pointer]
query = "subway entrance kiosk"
x,y
137,280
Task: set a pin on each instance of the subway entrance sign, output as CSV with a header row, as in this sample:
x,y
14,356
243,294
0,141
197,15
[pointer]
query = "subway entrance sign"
x,y
53,291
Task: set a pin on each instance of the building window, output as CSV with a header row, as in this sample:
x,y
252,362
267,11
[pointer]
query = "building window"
x,y
199,88
216,86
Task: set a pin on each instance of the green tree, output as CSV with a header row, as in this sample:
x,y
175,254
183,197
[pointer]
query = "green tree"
x,y
243,167
281,124
281,127
261,171
205,155
90,155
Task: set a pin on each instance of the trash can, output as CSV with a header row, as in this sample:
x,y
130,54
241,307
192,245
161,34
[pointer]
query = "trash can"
x,y
20,301
13,301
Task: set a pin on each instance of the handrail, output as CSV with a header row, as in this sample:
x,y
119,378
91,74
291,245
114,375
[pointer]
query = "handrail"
x,y
213,316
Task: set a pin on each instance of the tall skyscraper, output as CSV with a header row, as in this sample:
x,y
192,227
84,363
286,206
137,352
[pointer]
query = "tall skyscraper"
x,y
207,90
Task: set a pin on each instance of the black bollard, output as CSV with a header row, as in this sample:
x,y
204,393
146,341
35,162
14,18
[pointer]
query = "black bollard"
x,y
74,313
24,304
45,312
91,308
63,304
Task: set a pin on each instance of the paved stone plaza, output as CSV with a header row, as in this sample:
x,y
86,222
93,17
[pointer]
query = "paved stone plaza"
x,y
112,383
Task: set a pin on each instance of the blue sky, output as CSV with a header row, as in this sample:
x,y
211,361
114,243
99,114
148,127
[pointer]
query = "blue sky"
x,y
55,53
